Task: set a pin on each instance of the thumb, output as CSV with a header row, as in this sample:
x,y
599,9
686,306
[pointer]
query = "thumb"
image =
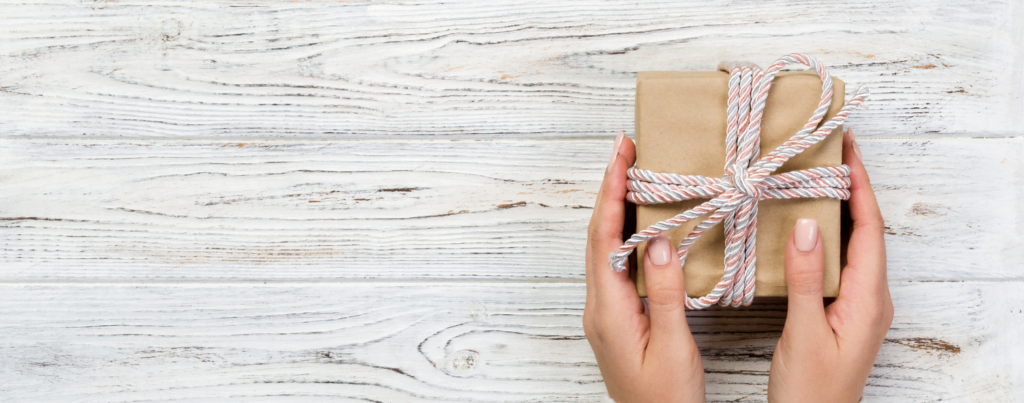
x,y
805,268
666,295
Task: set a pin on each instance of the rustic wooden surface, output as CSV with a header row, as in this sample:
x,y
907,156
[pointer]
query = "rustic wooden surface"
x,y
386,201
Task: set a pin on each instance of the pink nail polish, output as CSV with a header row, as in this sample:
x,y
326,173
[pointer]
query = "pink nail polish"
x,y
853,143
805,234
615,151
659,250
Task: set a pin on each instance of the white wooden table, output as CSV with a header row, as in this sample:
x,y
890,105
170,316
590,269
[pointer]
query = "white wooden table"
x,y
264,200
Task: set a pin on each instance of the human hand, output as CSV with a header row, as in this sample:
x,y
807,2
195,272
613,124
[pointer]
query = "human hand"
x,y
642,358
825,354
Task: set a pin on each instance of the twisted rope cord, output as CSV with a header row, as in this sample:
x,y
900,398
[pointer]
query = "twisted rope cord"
x,y
747,179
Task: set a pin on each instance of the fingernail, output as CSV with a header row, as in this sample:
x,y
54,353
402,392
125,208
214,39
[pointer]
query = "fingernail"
x,y
853,143
615,151
659,250
805,234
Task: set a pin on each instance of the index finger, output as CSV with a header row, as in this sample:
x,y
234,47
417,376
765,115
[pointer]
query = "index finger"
x,y
865,272
605,234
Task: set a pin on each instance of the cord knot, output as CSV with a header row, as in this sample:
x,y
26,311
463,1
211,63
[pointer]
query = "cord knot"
x,y
743,184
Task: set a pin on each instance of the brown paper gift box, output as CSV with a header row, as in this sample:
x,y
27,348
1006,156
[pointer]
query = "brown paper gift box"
x,y
680,128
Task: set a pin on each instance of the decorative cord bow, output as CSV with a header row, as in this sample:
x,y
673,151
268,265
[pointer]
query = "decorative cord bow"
x,y
747,179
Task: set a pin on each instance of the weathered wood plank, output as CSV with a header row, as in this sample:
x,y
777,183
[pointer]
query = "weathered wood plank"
x,y
168,210
495,69
479,343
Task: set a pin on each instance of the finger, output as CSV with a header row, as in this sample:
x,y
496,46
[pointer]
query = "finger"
x,y
666,296
865,274
598,226
805,268
609,209
605,232
863,206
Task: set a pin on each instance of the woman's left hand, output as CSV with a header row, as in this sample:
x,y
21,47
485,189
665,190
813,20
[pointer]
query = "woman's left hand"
x,y
642,358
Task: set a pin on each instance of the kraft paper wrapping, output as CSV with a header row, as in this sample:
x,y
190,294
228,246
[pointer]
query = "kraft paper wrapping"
x,y
680,127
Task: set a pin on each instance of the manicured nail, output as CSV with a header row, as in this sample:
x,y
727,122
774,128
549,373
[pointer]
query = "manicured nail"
x,y
805,234
853,143
615,151
660,250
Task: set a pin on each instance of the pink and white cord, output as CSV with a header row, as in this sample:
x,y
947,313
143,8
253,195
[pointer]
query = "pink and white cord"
x,y
747,179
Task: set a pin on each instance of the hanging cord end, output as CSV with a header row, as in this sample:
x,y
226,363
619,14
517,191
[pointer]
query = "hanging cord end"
x,y
617,262
859,97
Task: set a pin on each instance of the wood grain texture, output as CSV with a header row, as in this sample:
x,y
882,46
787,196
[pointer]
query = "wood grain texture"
x,y
303,211
272,69
364,201
479,343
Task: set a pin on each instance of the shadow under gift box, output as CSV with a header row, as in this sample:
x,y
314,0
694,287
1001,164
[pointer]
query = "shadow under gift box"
x,y
680,128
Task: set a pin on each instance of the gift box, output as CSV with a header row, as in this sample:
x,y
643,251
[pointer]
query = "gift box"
x,y
681,128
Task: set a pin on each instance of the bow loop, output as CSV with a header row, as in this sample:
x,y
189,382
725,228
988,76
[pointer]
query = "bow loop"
x,y
748,179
